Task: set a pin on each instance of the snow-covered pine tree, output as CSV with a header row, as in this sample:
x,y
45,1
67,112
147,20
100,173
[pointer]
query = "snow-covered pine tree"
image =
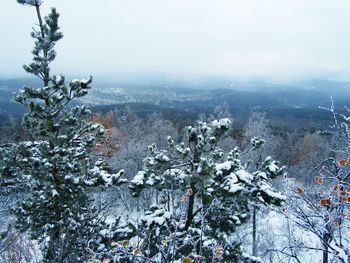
x,y
259,135
204,196
54,169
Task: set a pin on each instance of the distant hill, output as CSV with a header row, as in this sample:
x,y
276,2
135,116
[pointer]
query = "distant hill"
x,y
294,105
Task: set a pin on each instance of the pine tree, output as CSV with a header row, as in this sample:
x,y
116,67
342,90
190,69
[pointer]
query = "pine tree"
x,y
55,169
204,196
258,125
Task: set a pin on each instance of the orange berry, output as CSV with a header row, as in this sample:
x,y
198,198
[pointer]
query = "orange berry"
x,y
319,180
136,251
342,162
299,190
325,202
335,188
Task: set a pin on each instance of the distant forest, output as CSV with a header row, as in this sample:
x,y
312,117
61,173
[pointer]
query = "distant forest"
x,y
286,107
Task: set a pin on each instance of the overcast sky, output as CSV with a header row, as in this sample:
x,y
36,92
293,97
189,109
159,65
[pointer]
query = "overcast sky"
x,y
279,39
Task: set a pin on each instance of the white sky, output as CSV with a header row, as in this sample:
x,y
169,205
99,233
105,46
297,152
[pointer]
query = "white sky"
x,y
281,39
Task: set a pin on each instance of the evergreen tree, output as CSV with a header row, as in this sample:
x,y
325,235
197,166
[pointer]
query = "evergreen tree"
x,y
55,168
258,125
204,195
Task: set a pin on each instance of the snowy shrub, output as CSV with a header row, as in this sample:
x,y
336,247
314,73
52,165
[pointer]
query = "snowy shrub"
x,y
216,190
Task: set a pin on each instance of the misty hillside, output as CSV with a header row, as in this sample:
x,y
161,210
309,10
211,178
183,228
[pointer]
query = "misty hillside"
x,y
294,106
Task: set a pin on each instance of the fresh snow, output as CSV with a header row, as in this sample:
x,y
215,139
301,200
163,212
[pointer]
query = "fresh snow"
x,y
221,123
267,189
225,166
244,176
138,178
158,217
54,192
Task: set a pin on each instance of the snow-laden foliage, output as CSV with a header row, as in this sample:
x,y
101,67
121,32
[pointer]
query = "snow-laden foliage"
x,y
204,193
324,210
30,2
55,169
45,40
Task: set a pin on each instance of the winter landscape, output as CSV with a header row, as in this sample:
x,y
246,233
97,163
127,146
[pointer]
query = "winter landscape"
x,y
171,131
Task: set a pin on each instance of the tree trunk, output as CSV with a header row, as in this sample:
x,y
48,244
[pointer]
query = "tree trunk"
x,y
325,247
254,248
190,214
325,254
46,73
